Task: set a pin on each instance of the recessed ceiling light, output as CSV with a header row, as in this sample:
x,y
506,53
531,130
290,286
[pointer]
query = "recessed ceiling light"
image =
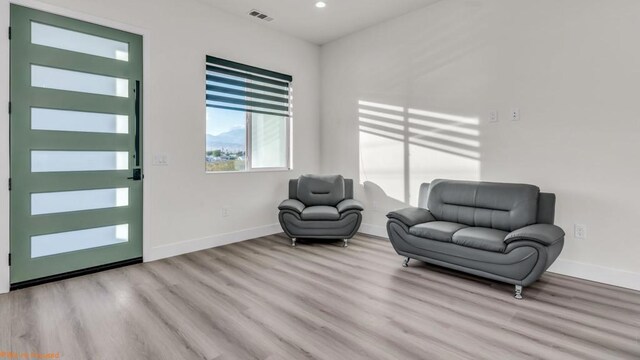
x,y
321,4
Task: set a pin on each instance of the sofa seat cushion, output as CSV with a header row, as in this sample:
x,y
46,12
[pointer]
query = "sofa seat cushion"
x,y
320,213
436,230
481,238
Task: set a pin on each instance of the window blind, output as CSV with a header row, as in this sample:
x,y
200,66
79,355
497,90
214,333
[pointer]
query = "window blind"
x,y
235,86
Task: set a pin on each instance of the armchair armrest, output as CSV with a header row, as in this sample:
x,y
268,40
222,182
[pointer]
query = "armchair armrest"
x,y
292,204
349,204
412,216
545,234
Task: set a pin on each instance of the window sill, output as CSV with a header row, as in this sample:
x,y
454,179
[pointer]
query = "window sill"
x,y
248,171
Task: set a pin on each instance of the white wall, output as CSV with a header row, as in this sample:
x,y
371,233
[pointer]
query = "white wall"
x,y
572,67
182,203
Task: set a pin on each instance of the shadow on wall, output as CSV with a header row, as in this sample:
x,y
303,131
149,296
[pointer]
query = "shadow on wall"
x,y
378,198
400,148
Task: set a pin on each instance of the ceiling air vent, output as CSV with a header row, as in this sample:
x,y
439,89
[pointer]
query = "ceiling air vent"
x,y
260,15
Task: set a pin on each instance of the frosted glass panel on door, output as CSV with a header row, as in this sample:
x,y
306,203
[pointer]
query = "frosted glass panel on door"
x,y
52,244
66,201
64,39
78,121
268,141
52,78
62,161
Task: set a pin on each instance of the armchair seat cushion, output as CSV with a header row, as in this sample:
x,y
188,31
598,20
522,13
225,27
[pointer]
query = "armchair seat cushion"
x,y
481,238
436,230
320,212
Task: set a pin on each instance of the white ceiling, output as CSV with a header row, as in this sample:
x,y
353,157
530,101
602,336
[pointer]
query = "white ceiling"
x,y
302,19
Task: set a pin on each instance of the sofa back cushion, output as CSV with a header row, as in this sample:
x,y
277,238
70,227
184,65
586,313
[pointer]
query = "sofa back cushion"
x,y
348,189
500,206
318,190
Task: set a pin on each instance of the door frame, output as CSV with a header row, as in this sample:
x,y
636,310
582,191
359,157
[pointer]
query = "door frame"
x,y
4,120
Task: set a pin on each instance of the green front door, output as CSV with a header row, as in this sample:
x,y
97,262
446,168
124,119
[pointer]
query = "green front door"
x,y
76,160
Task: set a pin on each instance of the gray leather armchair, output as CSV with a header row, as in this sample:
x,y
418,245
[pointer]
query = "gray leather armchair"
x,y
499,231
320,207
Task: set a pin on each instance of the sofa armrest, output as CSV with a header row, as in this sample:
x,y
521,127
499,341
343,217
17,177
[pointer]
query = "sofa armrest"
x,y
412,216
544,234
349,204
292,204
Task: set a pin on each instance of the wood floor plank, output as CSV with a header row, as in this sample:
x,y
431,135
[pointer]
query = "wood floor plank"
x,y
263,299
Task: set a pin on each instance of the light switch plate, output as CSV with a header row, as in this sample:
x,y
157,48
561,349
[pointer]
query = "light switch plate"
x,y
160,160
493,116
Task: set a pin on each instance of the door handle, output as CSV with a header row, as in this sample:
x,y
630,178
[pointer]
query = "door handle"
x,y
137,175
137,115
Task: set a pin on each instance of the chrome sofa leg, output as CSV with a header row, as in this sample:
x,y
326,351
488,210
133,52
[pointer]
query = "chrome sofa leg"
x,y
518,292
293,242
405,263
346,242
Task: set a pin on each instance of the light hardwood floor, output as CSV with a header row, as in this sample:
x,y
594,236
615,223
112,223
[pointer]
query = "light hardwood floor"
x,y
262,299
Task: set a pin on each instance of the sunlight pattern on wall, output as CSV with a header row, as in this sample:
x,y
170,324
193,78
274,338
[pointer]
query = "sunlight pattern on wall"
x,y
400,148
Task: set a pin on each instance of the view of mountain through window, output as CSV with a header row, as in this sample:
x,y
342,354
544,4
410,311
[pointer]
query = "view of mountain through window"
x,y
226,140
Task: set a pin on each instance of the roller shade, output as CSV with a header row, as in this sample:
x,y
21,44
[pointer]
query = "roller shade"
x,y
235,86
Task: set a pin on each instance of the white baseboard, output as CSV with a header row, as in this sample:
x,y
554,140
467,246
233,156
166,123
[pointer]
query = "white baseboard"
x,y
597,273
375,230
4,285
184,247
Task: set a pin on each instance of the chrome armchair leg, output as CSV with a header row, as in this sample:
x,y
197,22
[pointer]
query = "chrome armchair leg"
x,y
346,242
293,242
405,263
518,292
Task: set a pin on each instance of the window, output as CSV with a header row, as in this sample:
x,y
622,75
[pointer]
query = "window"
x,y
248,117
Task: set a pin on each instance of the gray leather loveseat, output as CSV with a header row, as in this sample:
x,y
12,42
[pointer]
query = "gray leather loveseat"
x,y
320,207
499,231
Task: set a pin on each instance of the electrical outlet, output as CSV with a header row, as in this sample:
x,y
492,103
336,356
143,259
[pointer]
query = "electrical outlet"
x,y
225,212
493,116
515,114
580,231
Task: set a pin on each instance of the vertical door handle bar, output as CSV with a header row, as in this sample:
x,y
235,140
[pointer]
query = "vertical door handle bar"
x,y
137,114
137,172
